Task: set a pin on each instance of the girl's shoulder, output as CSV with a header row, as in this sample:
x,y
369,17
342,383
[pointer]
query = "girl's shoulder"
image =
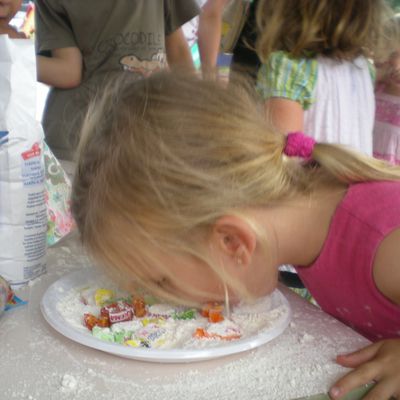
x,y
283,59
374,201
288,77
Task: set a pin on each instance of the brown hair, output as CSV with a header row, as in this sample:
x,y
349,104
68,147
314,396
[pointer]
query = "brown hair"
x,y
341,29
390,41
162,159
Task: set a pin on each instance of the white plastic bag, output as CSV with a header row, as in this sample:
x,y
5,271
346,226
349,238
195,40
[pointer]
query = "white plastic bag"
x,y
23,219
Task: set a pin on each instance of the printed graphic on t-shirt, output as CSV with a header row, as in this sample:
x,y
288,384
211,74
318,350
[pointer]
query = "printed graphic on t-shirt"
x,y
129,41
132,63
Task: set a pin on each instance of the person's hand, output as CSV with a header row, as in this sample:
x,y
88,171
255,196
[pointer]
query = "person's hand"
x,y
379,362
11,32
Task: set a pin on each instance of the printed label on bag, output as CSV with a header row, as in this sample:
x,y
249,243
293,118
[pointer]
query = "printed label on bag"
x,y
32,167
3,137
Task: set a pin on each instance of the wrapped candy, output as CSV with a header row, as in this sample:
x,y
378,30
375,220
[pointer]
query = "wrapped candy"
x,y
91,321
185,314
225,330
202,333
6,294
103,334
117,312
213,311
102,296
139,306
130,321
152,335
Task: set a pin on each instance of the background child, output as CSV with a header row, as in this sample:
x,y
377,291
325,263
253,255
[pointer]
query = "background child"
x,y
226,33
182,187
209,36
79,46
8,9
387,95
244,57
315,74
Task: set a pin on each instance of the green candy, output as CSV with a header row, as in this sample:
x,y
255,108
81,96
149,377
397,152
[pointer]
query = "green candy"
x,y
103,334
184,315
119,337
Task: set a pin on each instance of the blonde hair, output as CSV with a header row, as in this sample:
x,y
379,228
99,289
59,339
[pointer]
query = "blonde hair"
x,y
162,159
340,29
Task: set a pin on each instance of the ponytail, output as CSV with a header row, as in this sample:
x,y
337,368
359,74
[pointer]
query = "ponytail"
x,y
348,166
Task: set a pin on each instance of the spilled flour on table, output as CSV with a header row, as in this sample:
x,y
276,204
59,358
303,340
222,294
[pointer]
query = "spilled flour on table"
x,y
286,368
48,366
278,374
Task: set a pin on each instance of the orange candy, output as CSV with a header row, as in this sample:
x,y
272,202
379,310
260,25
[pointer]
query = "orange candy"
x,y
213,311
91,320
201,333
103,322
139,306
215,315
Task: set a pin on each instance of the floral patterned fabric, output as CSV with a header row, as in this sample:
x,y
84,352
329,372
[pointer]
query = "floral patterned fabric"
x,y
58,194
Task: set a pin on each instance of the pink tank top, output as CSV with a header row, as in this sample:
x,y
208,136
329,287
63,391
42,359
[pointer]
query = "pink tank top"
x,y
341,279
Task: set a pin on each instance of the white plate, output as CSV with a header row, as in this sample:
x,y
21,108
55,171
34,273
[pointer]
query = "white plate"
x,y
58,290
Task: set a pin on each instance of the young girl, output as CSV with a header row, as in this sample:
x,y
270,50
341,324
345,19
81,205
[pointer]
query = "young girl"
x,y
386,143
315,75
182,187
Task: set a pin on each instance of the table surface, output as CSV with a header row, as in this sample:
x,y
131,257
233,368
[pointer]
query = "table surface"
x,y
38,363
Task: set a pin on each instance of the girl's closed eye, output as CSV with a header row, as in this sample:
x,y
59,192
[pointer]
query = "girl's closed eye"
x,y
162,283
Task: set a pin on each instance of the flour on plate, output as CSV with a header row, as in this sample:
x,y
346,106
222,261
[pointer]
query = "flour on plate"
x,y
105,312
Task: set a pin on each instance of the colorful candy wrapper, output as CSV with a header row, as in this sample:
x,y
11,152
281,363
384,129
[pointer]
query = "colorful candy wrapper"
x,y
58,198
8,299
15,302
5,291
151,335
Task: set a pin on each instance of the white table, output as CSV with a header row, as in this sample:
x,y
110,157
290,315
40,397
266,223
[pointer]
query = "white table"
x,y
37,363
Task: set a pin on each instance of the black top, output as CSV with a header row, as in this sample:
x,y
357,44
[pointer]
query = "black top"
x,y
245,59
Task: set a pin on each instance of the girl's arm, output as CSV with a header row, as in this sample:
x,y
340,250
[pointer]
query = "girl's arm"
x,y
209,35
178,52
286,115
62,70
386,268
287,86
380,361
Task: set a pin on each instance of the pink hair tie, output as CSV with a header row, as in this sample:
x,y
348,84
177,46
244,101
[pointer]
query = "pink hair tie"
x,y
299,145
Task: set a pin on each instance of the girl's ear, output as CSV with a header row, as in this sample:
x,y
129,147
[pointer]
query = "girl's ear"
x,y
234,239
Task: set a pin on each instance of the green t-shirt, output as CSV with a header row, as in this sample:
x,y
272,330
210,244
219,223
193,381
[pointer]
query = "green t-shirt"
x,y
113,36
